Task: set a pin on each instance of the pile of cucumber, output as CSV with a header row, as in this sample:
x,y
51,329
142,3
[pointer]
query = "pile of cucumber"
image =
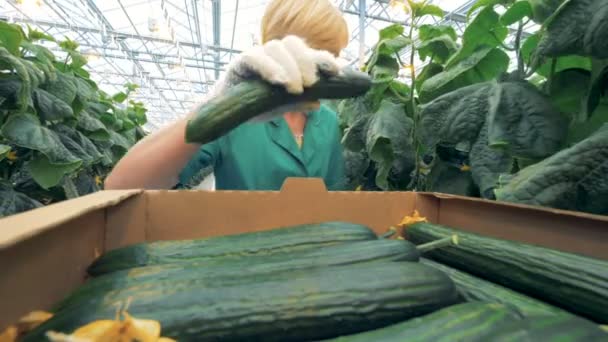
x,y
339,281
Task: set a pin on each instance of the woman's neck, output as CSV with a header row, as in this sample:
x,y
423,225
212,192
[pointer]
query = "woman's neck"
x,y
296,123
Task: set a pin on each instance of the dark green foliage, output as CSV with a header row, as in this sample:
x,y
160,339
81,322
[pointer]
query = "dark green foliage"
x,y
51,123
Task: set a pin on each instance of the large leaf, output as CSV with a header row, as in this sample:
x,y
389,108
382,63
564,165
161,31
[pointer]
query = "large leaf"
x,y
78,144
427,32
391,41
350,110
49,107
524,121
484,31
64,87
486,3
23,97
427,72
95,129
544,66
421,9
598,87
14,202
578,28
47,174
516,12
581,130
389,137
25,130
483,65
9,92
572,179
356,163
569,90
120,141
11,36
543,9
458,121
438,48
44,58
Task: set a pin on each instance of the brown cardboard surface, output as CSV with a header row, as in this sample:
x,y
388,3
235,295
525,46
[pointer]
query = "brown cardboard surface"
x,y
44,252
190,214
44,268
19,227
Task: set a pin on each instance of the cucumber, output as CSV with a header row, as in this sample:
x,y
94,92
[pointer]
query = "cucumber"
x,y
483,321
283,239
119,285
251,98
572,282
301,305
473,289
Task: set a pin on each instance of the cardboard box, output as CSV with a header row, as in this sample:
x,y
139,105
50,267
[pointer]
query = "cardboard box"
x,y
44,253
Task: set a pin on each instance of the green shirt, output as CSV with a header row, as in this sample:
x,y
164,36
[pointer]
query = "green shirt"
x,y
260,156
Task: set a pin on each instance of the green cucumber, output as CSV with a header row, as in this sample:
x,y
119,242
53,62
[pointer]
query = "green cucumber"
x,y
119,285
300,305
473,321
480,322
284,239
251,98
472,288
573,282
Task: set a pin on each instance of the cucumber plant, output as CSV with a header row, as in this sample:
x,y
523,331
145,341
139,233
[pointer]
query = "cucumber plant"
x,y
59,133
517,120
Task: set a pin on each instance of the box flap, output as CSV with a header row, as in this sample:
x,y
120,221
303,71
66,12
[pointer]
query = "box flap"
x,y
16,228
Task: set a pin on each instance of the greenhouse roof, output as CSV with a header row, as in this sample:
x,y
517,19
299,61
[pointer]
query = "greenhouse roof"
x,y
175,50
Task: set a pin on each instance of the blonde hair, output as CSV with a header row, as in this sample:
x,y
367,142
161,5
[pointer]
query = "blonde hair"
x,y
318,22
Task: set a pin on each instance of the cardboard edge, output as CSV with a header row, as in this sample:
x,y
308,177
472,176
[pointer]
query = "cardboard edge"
x,y
529,207
20,227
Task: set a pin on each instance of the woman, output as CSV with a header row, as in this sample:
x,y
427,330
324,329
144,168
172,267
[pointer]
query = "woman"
x,y
300,39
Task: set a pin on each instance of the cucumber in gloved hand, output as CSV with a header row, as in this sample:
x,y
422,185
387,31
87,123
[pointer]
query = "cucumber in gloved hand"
x,y
252,98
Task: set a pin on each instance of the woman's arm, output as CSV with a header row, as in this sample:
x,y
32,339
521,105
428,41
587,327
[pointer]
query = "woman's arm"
x,y
155,162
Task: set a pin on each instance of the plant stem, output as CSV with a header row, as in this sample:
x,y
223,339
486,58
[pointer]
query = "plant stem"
x,y
438,244
414,183
520,58
551,74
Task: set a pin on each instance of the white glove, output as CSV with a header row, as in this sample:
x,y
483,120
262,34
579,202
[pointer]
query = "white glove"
x,y
288,62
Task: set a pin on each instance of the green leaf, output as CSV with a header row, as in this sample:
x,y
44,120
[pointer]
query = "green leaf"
x,y
598,86
391,41
582,130
458,120
68,45
578,28
78,144
23,97
569,90
64,88
486,3
516,12
9,91
427,72
119,141
388,138
120,97
438,48
349,110
47,174
523,120
13,202
78,60
447,179
572,179
420,10
544,69
483,65
356,164
49,107
484,31
35,35
95,128
4,149
11,36
543,9
25,130
427,32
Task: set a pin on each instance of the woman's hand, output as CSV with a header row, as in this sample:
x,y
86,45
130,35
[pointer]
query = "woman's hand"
x,y
288,62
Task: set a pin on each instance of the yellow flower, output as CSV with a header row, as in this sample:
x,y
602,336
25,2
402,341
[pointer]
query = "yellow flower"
x,y
409,220
12,156
465,168
98,180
